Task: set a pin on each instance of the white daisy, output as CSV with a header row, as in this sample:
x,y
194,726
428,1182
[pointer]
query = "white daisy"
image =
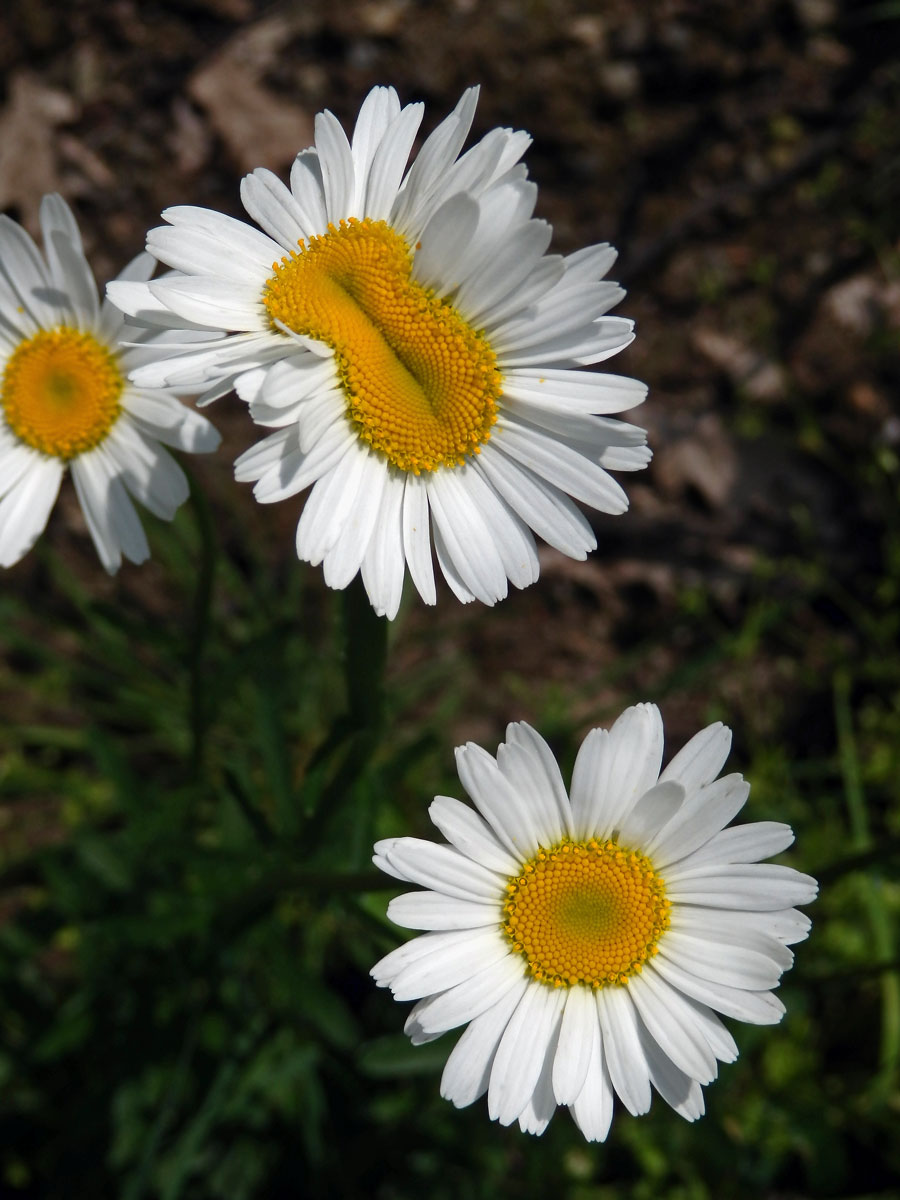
x,y
585,940
418,354
65,400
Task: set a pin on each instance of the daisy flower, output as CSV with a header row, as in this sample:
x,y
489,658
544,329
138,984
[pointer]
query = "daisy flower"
x,y
418,354
65,399
586,941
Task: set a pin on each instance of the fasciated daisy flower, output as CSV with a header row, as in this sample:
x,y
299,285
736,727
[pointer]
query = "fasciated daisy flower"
x,y
587,941
417,352
65,399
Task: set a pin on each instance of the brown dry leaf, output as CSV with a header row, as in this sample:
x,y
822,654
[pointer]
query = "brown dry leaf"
x,y
706,460
190,140
759,377
90,164
259,128
29,158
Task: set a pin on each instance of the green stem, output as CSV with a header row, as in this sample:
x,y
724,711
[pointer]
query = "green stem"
x,y
365,656
873,892
354,737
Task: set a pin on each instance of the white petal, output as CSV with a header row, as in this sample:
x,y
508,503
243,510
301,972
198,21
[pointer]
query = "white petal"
x,y
449,965
541,1104
378,109
331,502
216,303
579,1030
707,811
530,764
701,759
522,1052
677,1089
389,162
25,508
416,537
417,950
731,928
574,391
125,523
323,465
93,486
742,844
447,567
545,275
442,242
510,262
15,459
431,910
671,1019
467,539
755,886
542,506
471,835
622,1048
654,809
307,189
384,565
68,265
717,962
164,417
443,869
513,817
593,1109
274,208
614,769
109,513
510,535
336,162
757,1008
560,465
149,471
410,211
472,997
27,275
136,300
468,1068
236,238
343,561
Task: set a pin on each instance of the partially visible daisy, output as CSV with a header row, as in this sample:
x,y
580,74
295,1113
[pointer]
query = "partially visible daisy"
x,y
588,940
417,352
65,399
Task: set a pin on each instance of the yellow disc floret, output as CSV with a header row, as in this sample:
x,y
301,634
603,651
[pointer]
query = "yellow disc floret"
x,y
586,912
421,384
61,392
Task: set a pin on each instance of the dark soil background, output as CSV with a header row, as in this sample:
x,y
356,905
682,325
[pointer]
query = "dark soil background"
x,y
745,160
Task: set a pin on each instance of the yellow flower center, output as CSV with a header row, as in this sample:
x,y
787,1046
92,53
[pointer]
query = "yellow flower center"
x,y
421,385
586,912
61,392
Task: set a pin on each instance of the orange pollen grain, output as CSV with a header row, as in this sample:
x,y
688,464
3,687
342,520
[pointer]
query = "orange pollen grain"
x,y
421,385
61,392
587,913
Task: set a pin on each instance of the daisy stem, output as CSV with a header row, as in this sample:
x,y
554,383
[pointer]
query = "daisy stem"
x,y
872,888
344,755
365,656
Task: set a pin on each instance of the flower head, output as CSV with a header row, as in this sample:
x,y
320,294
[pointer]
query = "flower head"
x,y
587,941
417,352
65,399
